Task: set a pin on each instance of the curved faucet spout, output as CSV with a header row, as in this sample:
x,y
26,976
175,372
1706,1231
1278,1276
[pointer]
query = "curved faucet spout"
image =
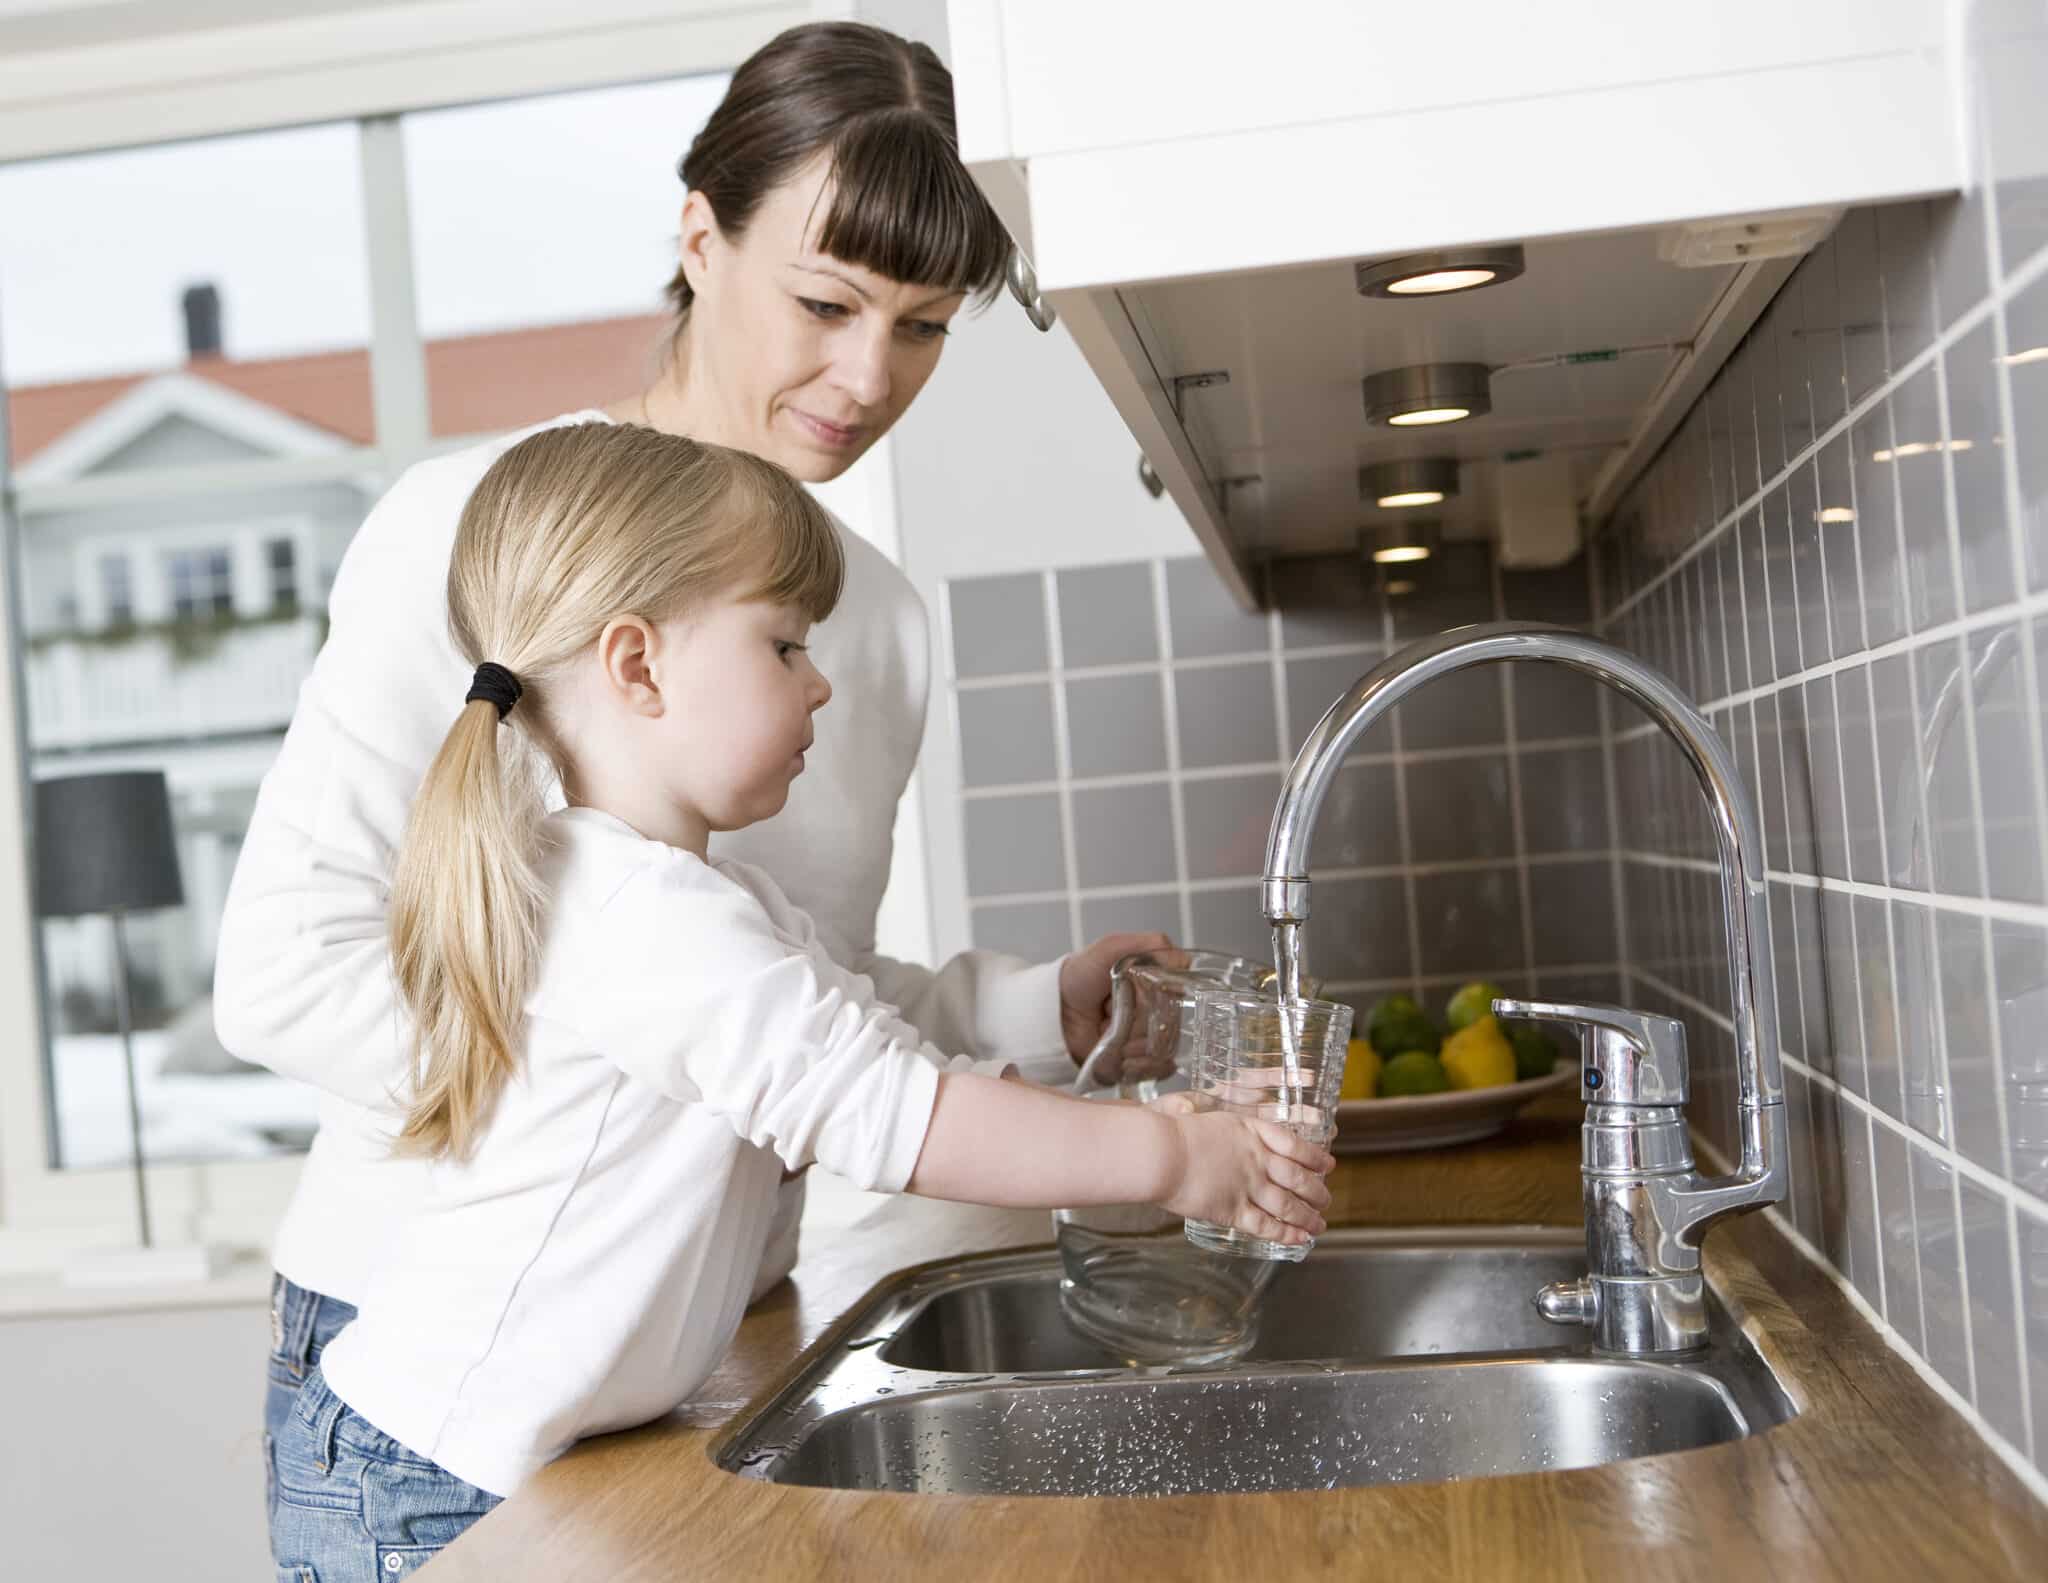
x,y
1752,993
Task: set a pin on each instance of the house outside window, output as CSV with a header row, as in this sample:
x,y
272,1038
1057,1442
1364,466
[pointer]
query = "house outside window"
x,y
117,591
281,559
202,583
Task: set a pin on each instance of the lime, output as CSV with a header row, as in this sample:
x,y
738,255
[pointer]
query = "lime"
x,y
1478,1055
1397,1023
1472,1002
1535,1052
1413,1072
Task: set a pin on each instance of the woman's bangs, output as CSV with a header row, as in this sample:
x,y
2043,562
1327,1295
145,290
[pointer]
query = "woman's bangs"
x,y
902,205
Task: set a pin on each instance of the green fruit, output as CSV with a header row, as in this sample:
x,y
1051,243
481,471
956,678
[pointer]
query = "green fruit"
x,y
1396,1024
1535,1052
1472,1002
1413,1072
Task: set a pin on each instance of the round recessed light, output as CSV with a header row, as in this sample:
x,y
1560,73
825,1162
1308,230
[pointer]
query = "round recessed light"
x,y
1436,273
1400,585
1411,481
1402,543
1834,514
1428,393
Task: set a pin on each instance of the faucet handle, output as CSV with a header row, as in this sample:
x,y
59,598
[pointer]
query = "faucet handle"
x,y
1626,1057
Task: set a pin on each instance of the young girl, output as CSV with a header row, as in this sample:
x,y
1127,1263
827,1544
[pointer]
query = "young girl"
x,y
620,1044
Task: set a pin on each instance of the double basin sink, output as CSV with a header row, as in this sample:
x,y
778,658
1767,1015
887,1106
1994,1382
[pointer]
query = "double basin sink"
x,y
1386,1357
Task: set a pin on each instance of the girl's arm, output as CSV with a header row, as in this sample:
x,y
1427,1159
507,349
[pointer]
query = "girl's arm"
x,y
1019,1146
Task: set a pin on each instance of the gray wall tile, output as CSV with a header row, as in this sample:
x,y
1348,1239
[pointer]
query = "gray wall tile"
x,y
2033,1247
1552,702
1824,777
1571,907
1841,548
1205,620
1227,821
1941,1269
1923,500
1972,1066
1123,835
1845,1005
2006,767
1153,910
1458,810
1861,1266
1564,800
1461,710
1862,299
1897,1233
1453,589
1014,844
1227,715
1900,805
1923,1068
1983,528
1006,735
1880,1007
1360,930
1116,725
998,625
1038,931
1360,824
1938,668
1315,684
1877,527
2019,969
1230,920
1859,775
1328,599
1469,921
1809,575
1106,615
1994,1310
2026,328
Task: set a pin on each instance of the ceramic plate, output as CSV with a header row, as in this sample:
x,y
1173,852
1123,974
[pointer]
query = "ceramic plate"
x,y
1428,1121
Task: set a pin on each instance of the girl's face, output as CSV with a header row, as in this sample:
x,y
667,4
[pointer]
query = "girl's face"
x,y
793,354
694,724
739,690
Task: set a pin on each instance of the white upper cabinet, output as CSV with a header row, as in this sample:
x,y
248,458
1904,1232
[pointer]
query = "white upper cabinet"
x,y
1136,146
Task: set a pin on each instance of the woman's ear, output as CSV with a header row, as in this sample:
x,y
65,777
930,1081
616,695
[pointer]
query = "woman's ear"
x,y
697,240
625,653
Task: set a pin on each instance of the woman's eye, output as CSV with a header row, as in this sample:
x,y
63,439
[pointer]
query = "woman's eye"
x,y
928,329
823,310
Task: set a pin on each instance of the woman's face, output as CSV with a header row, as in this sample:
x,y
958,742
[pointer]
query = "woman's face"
x,y
790,353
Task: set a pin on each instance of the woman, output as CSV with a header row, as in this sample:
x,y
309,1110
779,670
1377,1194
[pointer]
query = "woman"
x,y
829,236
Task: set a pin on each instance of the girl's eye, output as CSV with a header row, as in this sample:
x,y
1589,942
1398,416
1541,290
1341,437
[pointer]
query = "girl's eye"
x,y
784,650
823,310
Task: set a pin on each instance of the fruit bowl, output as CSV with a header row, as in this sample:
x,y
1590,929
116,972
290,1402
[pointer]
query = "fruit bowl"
x,y
1428,1121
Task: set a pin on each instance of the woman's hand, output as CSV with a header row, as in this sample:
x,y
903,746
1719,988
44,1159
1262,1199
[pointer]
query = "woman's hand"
x,y
1084,1002
1253,1176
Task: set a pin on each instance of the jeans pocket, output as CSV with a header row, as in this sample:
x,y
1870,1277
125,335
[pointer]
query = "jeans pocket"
x,y
297,1575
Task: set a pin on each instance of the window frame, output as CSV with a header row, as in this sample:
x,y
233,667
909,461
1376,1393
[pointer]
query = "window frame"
x,y
370,68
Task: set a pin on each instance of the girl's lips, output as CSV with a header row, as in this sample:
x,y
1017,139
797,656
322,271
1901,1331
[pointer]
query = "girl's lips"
x,y
823,432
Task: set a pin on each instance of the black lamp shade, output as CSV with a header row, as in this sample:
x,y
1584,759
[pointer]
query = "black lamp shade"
x,y
103,844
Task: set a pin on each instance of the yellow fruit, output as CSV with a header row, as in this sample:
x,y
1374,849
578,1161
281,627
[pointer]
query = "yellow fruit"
x,y
1361,1071
1479,1055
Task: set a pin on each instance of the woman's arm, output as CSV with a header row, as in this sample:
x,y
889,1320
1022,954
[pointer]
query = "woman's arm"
x,y
1014,1145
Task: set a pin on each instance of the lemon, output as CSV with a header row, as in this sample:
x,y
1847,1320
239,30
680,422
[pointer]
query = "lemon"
x,y
1479,1055
1472,1001
1413,1072
1361,1071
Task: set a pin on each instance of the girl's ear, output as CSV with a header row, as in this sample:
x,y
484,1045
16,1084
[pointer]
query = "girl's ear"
x,y
625,653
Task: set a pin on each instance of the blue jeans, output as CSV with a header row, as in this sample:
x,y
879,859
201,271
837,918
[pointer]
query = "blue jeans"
x,y
347,1503
351,1505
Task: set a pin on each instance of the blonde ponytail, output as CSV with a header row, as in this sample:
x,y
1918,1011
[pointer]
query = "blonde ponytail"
x,y
569,528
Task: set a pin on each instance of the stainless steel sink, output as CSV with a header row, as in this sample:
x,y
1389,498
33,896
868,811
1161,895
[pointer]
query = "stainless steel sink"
x,y
1384,1358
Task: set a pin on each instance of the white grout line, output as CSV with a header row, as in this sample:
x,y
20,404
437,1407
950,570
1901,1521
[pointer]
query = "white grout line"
x,y
1370,652
2012,1456
1063,767
1176,793
2020,912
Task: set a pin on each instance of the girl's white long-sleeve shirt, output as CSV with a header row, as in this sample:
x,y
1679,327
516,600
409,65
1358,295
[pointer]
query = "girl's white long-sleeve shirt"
x,y
302,983
687,1035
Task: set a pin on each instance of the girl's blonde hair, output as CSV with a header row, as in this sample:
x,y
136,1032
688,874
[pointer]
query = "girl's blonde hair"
x,y
569,528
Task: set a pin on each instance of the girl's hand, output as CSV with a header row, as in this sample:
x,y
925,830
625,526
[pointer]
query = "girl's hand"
x,y
1253,1176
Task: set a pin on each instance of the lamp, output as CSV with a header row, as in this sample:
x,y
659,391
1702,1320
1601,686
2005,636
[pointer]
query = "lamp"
x,y
103,844
1435,273
1405,541
1428,393
1414,481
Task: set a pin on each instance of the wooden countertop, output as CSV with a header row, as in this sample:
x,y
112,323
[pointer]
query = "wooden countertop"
x,y
1876,1478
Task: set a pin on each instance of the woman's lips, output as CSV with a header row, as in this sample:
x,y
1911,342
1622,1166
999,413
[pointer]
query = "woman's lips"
x,y
826,433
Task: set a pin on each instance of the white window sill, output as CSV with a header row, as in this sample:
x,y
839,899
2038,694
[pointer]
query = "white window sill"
x,y
243,1282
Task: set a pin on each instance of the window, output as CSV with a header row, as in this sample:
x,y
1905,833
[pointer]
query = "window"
x,y
117,591
202,583
282,558
185,346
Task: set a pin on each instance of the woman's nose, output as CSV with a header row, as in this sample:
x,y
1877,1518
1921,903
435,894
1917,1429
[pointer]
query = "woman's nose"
x,y
862,369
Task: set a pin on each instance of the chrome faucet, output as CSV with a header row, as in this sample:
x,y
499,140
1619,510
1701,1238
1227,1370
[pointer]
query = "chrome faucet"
x,y
1647,1207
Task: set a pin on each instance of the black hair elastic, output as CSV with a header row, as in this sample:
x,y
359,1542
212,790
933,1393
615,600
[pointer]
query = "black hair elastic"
x,y
495,685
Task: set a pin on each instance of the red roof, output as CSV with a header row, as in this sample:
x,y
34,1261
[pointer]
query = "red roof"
x,y
476,384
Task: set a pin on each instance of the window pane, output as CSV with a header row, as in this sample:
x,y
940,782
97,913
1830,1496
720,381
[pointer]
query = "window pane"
x,y
172,636
106,261
544,230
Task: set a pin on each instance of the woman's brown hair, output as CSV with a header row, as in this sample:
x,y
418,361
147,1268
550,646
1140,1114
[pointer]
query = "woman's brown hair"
x,y
900,201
